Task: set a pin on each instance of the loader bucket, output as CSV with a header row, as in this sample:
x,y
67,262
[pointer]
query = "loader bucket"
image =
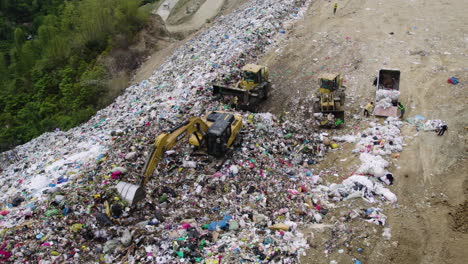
x,y
339,115
339,118
130,192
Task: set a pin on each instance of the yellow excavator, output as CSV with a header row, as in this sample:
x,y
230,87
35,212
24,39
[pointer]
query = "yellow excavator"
x,y
215,133
250,90
329,101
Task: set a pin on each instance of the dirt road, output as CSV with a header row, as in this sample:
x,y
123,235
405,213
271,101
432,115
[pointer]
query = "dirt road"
x,y
427,41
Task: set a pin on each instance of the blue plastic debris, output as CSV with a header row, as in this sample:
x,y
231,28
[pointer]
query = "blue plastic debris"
x,y
223,224
66,211
453,80
61,180
267,240
99,157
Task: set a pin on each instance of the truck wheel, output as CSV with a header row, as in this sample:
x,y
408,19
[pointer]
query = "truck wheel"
x,y
266,91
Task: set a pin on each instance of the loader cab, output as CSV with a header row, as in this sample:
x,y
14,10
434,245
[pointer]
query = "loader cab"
x,y
253,75
330,82
219,133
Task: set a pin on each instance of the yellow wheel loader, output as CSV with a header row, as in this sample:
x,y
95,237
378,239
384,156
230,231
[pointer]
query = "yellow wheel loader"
x,y
329,100
247,93
215,133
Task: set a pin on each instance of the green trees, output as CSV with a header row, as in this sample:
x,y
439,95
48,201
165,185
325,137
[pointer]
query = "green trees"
x,y
50,76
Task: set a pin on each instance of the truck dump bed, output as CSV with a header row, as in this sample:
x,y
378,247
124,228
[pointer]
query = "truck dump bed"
x,y
387,94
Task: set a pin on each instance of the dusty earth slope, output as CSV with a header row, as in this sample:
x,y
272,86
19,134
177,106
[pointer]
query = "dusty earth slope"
x,y
427,41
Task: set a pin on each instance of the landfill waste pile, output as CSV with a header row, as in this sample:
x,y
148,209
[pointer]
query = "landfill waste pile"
x,y
426,125
58,197
373,145
255,205
359,195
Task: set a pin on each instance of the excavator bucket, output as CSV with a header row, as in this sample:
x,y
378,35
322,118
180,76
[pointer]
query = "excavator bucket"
x,y
131,193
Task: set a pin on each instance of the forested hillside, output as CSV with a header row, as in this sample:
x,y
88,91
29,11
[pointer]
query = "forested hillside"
x,y
50,76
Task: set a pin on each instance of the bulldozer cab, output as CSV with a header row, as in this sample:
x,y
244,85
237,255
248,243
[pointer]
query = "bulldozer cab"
x,y
253,75
330,82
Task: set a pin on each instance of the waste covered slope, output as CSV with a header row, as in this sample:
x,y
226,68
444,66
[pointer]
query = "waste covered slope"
x,y
61,184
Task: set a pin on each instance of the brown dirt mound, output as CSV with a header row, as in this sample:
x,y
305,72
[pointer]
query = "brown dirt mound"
x,y
460,218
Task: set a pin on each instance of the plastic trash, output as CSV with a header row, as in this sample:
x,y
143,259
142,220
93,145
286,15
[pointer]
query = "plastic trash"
x,y
223,224
51,212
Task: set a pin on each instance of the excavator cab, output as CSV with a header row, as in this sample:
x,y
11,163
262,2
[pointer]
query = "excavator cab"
x,y
219,133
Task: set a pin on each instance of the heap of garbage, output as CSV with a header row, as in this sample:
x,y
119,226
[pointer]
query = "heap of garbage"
x,y
426,125
60,204
59,198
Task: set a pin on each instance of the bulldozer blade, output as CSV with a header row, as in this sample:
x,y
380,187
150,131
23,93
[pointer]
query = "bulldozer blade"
x,y
130,192
228,90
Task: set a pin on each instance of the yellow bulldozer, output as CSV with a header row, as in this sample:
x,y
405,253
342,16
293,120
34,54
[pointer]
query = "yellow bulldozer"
x,y
329,100
247,93
215,134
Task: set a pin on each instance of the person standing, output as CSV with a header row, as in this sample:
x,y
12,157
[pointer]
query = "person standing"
x,y
402,110
368,109
442,129
334,8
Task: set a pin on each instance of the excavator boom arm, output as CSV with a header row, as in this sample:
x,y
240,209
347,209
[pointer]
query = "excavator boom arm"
x,y
167,141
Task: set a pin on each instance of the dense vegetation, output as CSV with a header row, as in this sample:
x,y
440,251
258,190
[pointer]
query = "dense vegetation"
x,y
50,76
